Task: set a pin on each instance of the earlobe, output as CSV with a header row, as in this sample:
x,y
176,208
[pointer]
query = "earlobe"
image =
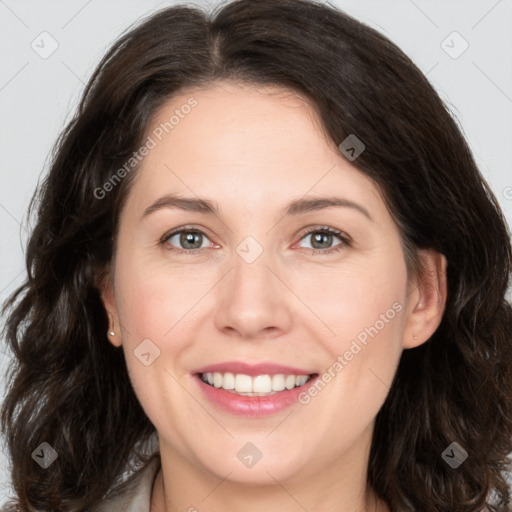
x,y
105,287
427,300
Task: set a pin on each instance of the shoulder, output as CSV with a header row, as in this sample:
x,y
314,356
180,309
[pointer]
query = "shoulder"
x,y
135,494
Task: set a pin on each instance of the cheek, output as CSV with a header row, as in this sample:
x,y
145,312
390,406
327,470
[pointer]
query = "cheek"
x,y
150,302
364,309
367,346
152,298
357,299
361,364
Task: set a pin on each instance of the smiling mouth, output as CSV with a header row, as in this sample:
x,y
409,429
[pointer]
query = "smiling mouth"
x,y
260,385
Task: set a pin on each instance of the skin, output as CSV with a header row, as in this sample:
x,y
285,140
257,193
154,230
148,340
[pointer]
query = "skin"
x,y
251,150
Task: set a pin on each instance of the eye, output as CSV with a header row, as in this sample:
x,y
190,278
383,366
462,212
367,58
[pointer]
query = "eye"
x,y
190,240
322,238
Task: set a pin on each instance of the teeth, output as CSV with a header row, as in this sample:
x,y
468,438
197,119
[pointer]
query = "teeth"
x,y
217,380
289,382
278,382
228,381
243,383
260,385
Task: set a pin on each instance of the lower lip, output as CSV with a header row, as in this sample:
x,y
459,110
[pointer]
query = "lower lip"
x,y
254,406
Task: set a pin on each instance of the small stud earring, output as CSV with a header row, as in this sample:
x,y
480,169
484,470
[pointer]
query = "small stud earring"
x,y
111,333
415,337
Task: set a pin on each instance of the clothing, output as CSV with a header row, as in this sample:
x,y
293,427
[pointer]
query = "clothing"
x,y
137,495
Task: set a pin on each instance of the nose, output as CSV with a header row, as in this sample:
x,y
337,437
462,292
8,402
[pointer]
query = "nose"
x,y
254,301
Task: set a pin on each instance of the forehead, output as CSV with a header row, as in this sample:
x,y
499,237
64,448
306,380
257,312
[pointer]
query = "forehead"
x,y
244,140
240,118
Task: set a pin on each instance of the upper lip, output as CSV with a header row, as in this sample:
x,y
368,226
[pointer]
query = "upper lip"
x,y
252,369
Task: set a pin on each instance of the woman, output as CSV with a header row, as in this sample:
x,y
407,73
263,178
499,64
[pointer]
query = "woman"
x,y
266,274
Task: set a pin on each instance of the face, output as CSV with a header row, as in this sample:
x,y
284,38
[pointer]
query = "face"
x,y
254,289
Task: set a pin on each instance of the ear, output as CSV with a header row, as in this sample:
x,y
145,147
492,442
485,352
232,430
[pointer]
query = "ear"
x,y
104,284
426,299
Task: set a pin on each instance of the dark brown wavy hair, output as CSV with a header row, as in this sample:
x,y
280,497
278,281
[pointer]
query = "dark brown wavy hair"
x,y
69,386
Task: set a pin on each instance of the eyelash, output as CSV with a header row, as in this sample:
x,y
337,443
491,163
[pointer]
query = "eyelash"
x,y
345,240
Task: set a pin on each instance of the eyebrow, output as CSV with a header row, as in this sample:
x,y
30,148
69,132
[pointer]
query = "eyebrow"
x,y
296,207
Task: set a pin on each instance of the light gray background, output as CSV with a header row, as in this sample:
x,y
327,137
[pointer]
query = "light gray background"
x,y
37,96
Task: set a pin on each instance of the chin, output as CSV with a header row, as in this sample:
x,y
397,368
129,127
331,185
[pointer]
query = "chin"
x,y
251,466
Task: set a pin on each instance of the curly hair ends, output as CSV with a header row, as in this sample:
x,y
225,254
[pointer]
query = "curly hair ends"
x,y
70,387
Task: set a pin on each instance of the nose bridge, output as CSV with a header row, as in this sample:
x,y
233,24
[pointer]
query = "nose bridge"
x,y
252,299
252,280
